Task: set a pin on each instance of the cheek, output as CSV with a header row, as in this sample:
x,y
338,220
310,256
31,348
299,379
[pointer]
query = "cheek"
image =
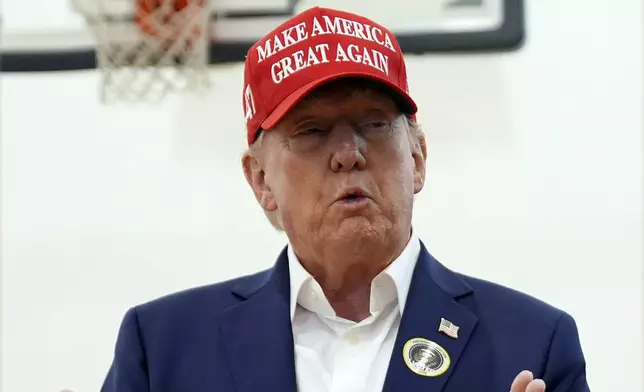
x,y
396,173
296,183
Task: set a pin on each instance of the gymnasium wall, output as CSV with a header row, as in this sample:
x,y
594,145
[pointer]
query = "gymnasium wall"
x,y
534,181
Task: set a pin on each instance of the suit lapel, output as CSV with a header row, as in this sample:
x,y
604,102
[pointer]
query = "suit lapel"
x,y
257,333
433,294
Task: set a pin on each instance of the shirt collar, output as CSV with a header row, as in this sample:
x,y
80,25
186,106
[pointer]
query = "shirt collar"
x,y
391,284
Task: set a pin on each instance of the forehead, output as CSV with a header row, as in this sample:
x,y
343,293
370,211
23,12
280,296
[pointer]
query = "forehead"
x,y
356,92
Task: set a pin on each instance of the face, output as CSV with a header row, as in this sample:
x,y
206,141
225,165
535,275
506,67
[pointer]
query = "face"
x,y
342,165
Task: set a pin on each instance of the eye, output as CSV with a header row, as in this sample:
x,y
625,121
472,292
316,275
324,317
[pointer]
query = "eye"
x,y
375,125
310,130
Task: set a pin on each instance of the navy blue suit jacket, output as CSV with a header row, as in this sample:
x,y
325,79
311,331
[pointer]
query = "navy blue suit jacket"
x,y
236,336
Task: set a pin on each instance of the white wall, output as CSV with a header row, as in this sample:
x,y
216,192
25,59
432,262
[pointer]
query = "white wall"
x,y
535,181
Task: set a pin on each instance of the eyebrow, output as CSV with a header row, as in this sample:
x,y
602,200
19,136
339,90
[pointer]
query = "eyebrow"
x,y
378,112
300,118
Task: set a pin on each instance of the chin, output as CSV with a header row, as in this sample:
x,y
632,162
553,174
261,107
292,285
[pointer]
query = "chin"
x,y
360,228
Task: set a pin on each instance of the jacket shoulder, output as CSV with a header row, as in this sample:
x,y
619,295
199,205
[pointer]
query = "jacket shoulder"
x,y
495,301
530,333
212,298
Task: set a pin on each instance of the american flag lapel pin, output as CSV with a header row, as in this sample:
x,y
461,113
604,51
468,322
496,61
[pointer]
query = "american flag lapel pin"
x,y
448,328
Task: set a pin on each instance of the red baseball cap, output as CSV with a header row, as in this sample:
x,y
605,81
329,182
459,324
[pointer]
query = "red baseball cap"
x,y
312,48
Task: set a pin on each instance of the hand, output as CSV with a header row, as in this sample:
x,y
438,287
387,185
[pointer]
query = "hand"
x,y
525,382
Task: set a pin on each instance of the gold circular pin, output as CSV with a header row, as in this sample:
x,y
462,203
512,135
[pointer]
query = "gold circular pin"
x,y
425,358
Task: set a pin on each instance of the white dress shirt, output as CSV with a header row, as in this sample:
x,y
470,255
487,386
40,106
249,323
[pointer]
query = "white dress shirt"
x,y
333,354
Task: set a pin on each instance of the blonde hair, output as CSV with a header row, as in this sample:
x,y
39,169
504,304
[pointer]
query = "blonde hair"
x,y
414,129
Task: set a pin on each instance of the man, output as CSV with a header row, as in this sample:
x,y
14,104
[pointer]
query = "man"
x,y
355,302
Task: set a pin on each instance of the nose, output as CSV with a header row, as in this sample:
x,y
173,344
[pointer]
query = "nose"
x,y
348,151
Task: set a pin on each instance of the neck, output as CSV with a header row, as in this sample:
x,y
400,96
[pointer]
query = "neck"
x,y
345,273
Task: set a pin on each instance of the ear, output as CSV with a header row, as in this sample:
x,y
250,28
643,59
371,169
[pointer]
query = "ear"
x,y
419,154
256,178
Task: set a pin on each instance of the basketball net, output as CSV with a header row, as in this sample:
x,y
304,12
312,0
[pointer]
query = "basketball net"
x,y
164,49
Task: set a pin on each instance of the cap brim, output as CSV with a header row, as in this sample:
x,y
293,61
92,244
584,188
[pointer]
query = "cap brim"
x,y
400,96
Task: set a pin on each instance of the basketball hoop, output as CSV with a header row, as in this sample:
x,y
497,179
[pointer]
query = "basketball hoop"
x,y
147,48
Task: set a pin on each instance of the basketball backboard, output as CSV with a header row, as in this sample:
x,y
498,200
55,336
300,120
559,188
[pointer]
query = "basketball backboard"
x,y
59,39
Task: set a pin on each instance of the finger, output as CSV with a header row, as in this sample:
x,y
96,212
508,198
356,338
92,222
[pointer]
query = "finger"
x,y
521,381
536,386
